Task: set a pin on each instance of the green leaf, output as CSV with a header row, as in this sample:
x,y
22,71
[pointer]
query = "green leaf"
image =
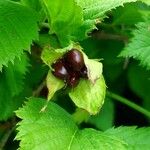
x,y
18,27
93,13
37,72
47,39
137,139
14,74
94,9
50,55
34,4
105,118
89,96
55,129
53,84
94,68
76,20
11,86
146,1
139,82
139,47
130,14
80,115
83,31
64,18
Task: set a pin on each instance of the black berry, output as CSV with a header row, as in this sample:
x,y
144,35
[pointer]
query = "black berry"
x,y
70,68
83,72
73,79
74,59
60,70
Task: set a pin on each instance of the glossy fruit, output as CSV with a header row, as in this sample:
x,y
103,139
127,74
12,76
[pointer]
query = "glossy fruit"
x,y
60,70
73,79
70,68
83,72
74,58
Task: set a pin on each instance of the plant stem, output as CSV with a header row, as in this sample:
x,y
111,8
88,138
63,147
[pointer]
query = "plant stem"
x,y
129,103
106,36
39,89
80,115
8,133
6,137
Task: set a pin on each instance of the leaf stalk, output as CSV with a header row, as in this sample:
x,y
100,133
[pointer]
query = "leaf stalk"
x,y
128,103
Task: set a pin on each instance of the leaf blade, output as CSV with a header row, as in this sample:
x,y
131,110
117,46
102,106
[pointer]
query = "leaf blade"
x,y
63,24
139,47
56,130
18,27
89,96
94,9
134,137
12,87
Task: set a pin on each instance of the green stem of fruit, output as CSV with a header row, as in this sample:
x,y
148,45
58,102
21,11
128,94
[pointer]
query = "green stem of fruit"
x,y
80,116
128,103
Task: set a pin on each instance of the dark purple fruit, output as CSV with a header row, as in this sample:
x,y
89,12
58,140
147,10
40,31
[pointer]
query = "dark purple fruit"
x,y
60,70
73,79
74,58
83,72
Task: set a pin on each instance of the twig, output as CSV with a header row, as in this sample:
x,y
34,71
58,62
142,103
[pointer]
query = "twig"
x,y
39,89
7,134
129,103
44,25
6,137
108,36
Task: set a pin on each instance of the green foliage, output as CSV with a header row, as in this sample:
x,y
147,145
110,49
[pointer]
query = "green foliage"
x,y
112,65
139,82
94,12
94,68
36,72
54,121
146,1
34,4
89,93
14,74
139,47
53,84
50,55
104,120
89,96
128,15
11,86
136,138
34,34
18,27
94,9
63,24
75,21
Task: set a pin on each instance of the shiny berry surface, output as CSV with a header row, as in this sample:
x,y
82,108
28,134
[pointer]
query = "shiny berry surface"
x,y
70,68
60,70
73,79
83,72
74,58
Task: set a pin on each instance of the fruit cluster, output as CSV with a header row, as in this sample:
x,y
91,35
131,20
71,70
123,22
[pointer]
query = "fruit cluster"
x,y
70,68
